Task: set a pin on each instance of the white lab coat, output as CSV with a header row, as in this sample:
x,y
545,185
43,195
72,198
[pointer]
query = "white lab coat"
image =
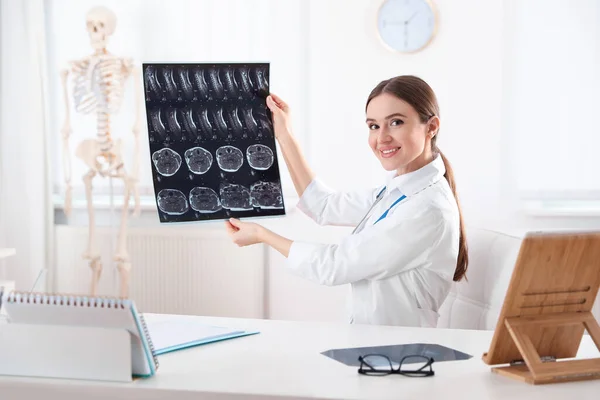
x,y
400,268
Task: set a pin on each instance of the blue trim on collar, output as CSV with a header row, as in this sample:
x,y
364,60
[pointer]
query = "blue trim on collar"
x,y
388,210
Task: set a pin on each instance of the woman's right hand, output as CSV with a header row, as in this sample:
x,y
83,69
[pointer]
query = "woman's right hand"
x,y
282,124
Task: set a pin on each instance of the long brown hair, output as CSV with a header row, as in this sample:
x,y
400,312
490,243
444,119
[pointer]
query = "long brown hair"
x,y
421,97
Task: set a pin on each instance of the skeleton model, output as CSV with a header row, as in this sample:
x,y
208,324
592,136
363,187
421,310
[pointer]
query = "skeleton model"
x,y
98,84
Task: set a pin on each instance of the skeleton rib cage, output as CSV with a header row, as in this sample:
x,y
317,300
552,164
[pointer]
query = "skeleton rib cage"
x,y
98,86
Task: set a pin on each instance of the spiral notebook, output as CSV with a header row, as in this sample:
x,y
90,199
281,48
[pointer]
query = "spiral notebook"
x,y
101,312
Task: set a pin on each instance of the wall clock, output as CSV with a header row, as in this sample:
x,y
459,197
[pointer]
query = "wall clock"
x,y
406,26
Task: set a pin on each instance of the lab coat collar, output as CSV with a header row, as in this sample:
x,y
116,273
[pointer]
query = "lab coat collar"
x,y
415,181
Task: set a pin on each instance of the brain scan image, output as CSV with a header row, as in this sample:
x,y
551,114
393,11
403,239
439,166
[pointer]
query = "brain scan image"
x,y
205,123
166,161
188,122
234,121
260,81
152,83
215,83
235,197
199,81
266,195
249,120
212,146
230,82
263,120
220,120
169,83
198,160
204,200
183,79
172,202
156,121
173,121
260,156
242,76
229,158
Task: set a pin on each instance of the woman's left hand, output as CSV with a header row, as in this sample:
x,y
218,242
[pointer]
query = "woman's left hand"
x,y
244,233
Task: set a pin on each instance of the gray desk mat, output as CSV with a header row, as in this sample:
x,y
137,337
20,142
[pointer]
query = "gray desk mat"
x,y
395,353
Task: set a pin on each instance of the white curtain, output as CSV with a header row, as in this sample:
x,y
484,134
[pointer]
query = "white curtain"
x,y
26,216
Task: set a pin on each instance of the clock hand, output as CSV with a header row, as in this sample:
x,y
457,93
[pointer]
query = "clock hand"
x,y
406,28
411,17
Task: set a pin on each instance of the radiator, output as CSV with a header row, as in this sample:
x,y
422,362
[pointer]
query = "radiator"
x,y
175,270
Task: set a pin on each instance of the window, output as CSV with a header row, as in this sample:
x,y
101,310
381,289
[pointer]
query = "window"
x,y
174,31
552,86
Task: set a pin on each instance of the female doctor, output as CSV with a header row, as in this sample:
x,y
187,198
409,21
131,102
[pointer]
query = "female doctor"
x,y
408,244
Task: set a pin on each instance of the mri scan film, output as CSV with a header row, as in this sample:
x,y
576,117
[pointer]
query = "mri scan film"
x,y
211,141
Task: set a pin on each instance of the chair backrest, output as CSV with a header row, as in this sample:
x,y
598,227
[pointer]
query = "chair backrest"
x,y
476,303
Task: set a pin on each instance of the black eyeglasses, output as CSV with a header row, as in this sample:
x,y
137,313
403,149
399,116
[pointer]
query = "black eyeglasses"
x,y
380,365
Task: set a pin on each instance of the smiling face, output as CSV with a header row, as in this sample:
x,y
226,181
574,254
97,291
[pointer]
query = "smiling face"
x,y
397,136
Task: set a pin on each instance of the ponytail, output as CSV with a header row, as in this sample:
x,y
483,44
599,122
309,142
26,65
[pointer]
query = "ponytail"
x,y
463,254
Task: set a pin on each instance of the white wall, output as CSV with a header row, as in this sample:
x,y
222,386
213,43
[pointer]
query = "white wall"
x,y
550,67
553,80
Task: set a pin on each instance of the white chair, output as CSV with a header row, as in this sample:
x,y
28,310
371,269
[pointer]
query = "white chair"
x,y
476,303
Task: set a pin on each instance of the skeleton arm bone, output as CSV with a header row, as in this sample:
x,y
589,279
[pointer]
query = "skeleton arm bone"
x,y
66,132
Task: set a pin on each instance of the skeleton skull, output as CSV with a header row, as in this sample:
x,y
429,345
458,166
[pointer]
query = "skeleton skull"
x,y
101,23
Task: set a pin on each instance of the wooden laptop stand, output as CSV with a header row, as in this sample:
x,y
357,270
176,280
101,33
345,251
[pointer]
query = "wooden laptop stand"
x,y
547,310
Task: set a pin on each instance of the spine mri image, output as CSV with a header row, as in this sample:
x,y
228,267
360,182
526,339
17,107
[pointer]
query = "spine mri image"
x,y
211,140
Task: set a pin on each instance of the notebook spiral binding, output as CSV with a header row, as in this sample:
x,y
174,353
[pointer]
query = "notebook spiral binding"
x,y
66,300
147,334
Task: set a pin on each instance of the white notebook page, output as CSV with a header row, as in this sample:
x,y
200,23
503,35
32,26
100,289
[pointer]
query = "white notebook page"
x,y
178,332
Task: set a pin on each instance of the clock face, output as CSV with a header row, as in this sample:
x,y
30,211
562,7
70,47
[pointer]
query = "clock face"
x,y
406,25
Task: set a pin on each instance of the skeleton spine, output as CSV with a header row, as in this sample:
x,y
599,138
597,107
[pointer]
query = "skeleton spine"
x,y
103,126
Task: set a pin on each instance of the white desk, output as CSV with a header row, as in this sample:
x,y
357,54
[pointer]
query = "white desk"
x,y
283,361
